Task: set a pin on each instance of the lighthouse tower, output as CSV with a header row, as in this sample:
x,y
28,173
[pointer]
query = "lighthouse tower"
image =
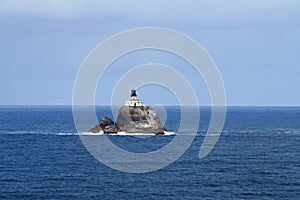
x,y
133,102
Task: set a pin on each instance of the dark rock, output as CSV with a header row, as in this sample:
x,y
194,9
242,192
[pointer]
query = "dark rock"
x,y
96,129
105,121
106,125
138,120
161,131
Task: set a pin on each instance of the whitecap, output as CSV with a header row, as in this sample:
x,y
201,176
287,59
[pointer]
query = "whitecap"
x,y
66,133
90,133
169,133
166,133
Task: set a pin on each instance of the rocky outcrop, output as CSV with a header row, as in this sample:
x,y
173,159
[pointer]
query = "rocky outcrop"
x,y
106,125
142,119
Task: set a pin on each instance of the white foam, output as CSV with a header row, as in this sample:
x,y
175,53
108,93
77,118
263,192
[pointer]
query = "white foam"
x,y
167,133
90,133
21,132
64,133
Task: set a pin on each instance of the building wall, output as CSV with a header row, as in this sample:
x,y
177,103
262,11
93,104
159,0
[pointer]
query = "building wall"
x,y
132,102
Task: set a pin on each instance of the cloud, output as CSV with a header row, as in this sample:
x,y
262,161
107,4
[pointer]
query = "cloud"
x,y
166,10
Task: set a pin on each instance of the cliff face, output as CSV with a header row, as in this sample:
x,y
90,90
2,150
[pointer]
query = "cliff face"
x,y
143,119
138,120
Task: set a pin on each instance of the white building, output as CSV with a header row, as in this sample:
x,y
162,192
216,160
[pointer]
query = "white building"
x,y
134,102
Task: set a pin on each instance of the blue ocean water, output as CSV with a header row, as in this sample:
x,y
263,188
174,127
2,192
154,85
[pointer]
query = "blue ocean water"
x,y
256,157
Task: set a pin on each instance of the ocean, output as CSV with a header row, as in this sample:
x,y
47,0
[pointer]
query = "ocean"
x,y
256,157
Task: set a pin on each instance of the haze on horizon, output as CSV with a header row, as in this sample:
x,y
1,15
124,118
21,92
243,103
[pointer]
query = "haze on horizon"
x,y
254,43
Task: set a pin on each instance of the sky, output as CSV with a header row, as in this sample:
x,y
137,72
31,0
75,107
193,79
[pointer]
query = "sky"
x,y
254,43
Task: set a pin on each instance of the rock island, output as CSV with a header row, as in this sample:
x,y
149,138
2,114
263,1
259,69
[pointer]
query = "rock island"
x,y
133,117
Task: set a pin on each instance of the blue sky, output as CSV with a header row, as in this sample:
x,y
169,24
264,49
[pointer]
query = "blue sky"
x,y
254,43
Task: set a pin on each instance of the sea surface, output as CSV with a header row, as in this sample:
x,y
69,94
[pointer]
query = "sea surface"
x,y
257,157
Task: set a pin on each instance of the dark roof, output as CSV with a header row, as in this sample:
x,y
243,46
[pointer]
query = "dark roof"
x,y
133,93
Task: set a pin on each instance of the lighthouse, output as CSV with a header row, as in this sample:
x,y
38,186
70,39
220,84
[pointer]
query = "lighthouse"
x,y
133,102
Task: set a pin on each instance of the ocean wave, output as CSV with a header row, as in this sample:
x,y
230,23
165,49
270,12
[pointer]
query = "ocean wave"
x,y
21,132
169,133
271,132
65,134
166,133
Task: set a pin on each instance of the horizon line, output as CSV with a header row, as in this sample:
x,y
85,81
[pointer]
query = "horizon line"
x,y
107,105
